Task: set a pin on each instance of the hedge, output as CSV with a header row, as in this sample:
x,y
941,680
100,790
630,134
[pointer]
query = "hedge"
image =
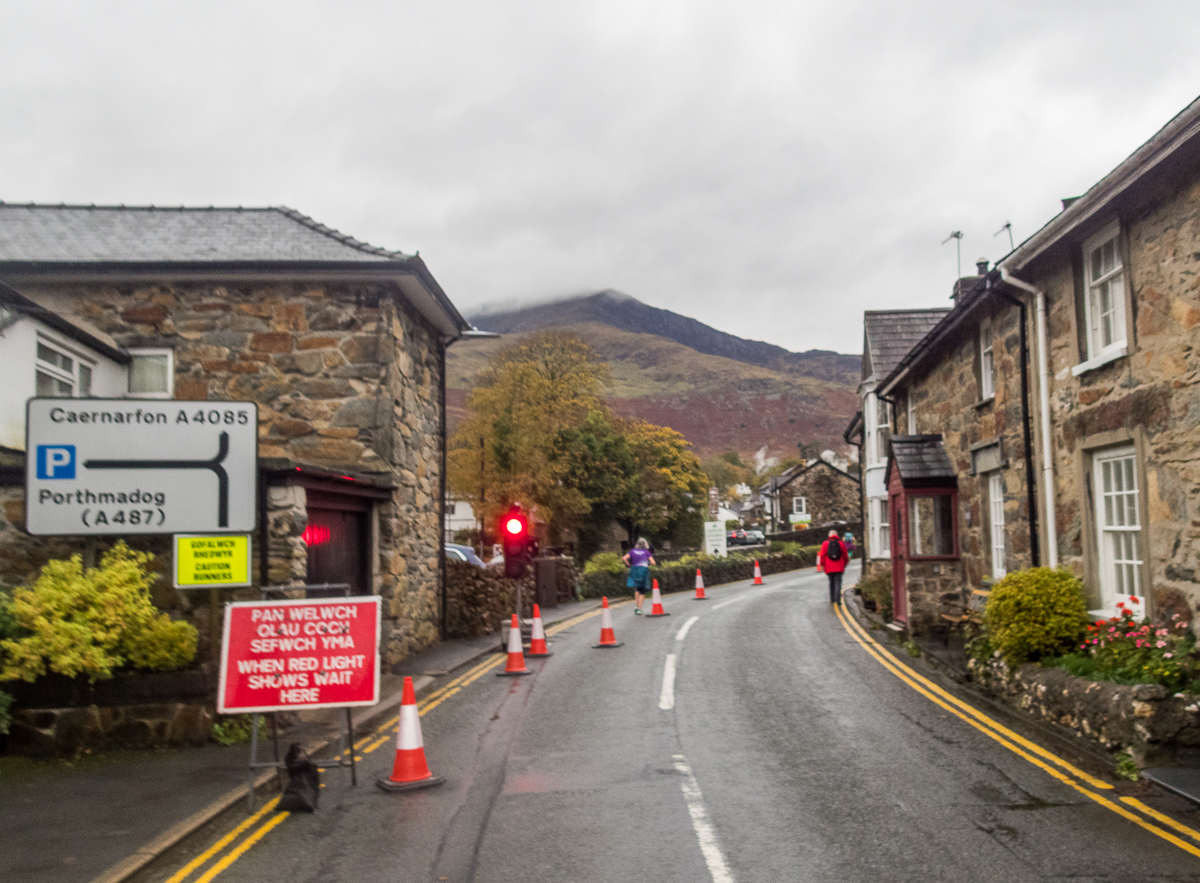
x,y
681,577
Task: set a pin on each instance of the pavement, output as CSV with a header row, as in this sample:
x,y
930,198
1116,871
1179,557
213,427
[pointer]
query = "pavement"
x,y
102,817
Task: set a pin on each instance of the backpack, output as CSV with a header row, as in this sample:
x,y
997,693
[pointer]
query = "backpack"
x,y
833,550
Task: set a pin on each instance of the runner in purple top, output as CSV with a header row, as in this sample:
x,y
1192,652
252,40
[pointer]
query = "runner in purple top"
x,y
639,560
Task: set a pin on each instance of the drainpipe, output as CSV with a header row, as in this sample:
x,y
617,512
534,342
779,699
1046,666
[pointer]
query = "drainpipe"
x,y
1044,395
1035,553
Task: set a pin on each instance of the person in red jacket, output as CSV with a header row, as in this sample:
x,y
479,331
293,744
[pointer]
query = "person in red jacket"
x,y
832,560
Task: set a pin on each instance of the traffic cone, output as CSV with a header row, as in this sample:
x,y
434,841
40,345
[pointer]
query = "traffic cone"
x,y
410,770
516,658
757,575
607,638
656,608
700,596
537,641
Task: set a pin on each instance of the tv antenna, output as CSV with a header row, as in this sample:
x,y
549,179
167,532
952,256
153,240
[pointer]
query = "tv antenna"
x,y
1007,226
957,237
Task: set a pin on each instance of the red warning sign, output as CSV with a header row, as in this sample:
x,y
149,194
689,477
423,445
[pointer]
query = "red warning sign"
x,y
280,655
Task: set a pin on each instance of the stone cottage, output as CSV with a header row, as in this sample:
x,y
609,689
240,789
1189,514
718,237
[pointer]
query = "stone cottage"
x,y
340,344
1060,392
818,491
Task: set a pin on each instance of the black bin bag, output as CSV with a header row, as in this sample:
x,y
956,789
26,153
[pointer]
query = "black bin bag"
x,y
304,782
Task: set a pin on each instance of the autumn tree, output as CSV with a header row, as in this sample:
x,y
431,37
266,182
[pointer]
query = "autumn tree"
x,y
668,485
539,433
525,416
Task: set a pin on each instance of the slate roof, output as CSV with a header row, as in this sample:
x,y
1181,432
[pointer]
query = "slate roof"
x,y
37,239
890,334
788,476
121,234
922,461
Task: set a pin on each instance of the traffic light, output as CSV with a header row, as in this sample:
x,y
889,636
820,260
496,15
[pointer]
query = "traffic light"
x,y
514,531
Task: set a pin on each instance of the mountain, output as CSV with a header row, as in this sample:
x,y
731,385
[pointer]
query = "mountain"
x,y
678,372
629,314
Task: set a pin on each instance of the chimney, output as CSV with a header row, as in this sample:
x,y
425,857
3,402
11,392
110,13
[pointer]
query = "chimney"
x,y
981,266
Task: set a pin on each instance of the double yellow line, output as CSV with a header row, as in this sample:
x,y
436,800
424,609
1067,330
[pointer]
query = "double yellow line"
x,y
1051,763
381,734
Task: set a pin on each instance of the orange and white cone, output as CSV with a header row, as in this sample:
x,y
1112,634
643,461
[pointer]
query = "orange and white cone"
x,y
537,641
700,596
516,656
607,637
410,770
656,608
757,575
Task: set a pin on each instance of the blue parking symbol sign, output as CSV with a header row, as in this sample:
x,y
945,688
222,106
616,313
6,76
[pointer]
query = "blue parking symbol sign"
x,y
55,461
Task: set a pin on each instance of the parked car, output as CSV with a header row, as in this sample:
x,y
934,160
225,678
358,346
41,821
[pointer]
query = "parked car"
x,y
736,538
455,552
755,537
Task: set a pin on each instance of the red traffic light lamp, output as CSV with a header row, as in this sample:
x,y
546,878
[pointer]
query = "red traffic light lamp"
x,y
515,536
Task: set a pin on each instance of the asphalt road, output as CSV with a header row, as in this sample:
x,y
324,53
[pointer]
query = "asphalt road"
x,y
784,751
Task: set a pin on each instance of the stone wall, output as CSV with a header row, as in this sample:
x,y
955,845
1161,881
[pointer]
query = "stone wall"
x,y
64,731
346,377
1145,720
1150,398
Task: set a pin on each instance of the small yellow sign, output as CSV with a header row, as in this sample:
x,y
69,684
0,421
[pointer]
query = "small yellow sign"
x,y
212,561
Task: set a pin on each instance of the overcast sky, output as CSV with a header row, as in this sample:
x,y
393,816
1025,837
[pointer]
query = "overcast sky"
x,y
770,168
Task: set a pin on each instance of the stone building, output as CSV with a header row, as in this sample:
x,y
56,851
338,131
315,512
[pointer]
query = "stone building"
x,y
1061,389
888,335
818,490
1114,276
340,344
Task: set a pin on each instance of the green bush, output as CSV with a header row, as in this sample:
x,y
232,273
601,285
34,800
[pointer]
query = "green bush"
x,y
6,701
1035,613
89,622
236,729
878,588
604,562
680,576
807,553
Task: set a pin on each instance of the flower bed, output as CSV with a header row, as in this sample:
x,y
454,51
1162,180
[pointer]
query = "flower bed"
x,y
1125,650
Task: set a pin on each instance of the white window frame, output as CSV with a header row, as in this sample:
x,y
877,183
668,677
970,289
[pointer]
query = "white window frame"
x,y
987,362
912,412
869,418
154,351
1118,527
1094,286
881,541
996,513
799,505
883,428
79,363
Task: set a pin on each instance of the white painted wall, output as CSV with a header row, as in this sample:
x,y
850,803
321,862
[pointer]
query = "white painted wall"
x,y
18,358
463,518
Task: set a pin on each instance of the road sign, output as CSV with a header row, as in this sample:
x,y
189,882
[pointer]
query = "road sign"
x,y
287,655
125,466
212,561
714,538
714,503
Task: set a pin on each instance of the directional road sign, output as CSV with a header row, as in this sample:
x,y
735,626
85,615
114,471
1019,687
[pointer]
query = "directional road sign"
x,y
126,466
